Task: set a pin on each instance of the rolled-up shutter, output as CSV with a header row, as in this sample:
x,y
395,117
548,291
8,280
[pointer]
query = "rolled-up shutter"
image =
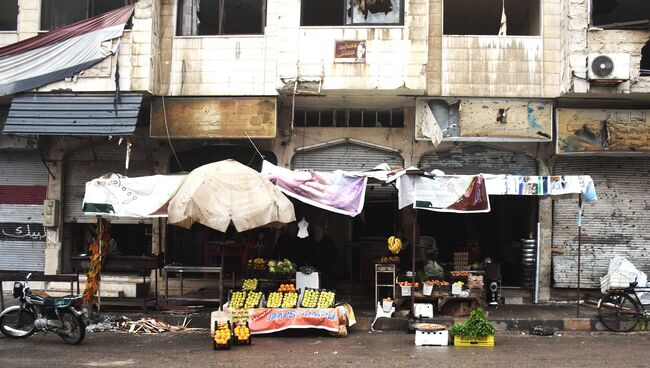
x,y
23,187
476,159
89,163
616,224
349,157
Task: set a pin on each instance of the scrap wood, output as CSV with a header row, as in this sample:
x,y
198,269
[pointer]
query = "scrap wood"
x,y
150,326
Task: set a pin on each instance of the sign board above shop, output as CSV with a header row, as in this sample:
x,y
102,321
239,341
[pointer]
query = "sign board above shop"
x,y
486,119
212,117
602,131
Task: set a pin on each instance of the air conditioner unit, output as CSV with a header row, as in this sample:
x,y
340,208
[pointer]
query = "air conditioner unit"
x,y
608,67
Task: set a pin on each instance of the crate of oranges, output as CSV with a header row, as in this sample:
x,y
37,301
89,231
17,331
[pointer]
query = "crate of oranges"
x,y
222,336
242,334
287,288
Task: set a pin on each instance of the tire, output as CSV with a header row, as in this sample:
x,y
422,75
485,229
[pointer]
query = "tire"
x,y
74,328
618,312
17,324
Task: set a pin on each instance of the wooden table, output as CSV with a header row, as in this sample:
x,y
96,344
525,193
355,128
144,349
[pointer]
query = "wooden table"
x,y
141,265
181,270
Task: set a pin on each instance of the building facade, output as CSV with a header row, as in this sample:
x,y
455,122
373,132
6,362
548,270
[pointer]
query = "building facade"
x,y
349,85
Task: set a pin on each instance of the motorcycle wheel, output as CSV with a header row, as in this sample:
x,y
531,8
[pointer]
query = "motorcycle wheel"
x,y
17,324
74,328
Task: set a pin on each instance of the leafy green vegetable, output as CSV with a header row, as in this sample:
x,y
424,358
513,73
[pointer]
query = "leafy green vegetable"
x,y
477,325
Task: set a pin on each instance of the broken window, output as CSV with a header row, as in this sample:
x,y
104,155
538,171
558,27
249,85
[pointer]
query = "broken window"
x,y
349,117
492,17
645,60
9,15
351,12
59,13
220,17
620,13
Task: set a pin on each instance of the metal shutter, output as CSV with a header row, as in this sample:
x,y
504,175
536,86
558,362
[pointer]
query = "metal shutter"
x,y
89,163
23,187
616,224
476,159
350,157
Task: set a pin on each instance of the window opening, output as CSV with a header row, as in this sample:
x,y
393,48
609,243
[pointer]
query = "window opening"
x,y
645,60
483,17
9,15
620,13
58,13
344,117
351,12
220,17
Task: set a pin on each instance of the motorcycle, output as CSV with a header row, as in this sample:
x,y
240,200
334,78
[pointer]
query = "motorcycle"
x,y
37,311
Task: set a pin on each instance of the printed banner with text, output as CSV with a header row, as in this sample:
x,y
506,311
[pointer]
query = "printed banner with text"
x,y
267,320
117,195
459,193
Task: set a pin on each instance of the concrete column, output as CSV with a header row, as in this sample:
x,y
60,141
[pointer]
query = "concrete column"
x,y
546,240
53,240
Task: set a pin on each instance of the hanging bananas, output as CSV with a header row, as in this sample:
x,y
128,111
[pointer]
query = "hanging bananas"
x,y
394,245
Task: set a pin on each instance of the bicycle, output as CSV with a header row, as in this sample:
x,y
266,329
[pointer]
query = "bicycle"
x,y
620,309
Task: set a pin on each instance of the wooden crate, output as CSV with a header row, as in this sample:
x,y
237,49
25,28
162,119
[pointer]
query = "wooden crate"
x,y
470,341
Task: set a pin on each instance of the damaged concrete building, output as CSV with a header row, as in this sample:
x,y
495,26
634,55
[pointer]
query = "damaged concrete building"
x,y
526,87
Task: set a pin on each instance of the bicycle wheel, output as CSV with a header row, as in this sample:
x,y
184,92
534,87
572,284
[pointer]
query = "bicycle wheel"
x,y
618,312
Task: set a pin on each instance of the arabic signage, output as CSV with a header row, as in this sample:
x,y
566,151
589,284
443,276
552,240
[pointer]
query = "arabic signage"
x,y
486,119
602,130
350,52
214,117
22,232
267,320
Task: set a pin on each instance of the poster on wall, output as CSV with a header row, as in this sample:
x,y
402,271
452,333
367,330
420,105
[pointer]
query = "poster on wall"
x,y
350,52
602,131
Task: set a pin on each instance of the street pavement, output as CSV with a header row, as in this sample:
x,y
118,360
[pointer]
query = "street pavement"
x,y
192,349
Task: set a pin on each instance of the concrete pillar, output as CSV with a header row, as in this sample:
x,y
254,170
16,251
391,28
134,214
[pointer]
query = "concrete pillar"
x,y
546,240
53,240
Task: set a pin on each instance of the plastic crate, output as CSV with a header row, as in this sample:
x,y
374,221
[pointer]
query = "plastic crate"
x,y
614,280
472,341
432,338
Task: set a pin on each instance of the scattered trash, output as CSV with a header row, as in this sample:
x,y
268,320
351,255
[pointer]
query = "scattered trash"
x,y
542,331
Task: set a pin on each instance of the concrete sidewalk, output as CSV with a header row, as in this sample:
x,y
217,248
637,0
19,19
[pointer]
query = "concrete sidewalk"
x,y
559,316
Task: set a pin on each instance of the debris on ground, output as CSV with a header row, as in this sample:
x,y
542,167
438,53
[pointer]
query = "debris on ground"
x,y
143,325
150,325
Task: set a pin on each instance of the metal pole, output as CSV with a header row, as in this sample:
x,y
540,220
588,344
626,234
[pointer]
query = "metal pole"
x,y
538,246
579,253
415,229
99,283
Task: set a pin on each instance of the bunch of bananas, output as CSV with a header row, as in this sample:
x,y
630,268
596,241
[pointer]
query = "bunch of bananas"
x,y
394,244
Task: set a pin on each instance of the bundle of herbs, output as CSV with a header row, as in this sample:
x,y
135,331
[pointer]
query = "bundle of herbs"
x,y
477,326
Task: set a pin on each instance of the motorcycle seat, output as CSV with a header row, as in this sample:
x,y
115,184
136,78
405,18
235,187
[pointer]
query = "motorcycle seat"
x,y
53,302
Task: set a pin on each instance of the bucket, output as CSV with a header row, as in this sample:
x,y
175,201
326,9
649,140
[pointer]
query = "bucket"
x,y
406,290
456,289
386,306
427,289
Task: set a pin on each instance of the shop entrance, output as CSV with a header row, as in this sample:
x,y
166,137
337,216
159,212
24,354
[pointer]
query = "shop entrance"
x,y
201,246
496,235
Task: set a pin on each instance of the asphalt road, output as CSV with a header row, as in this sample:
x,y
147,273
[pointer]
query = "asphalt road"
x,y
360,349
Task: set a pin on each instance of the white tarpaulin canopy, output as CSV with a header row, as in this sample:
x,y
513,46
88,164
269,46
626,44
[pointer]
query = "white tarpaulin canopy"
x,y
226,191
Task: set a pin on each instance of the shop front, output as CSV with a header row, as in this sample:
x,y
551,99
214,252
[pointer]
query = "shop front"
x,y
611,145
23,185
497,235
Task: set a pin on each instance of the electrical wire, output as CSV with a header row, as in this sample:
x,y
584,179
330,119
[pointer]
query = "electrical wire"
x,y
162,95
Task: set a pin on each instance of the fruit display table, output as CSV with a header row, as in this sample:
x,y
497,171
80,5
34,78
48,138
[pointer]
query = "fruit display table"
x,y
269,320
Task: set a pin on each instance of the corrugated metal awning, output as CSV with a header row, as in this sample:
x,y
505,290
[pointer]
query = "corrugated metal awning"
x,y
73,114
